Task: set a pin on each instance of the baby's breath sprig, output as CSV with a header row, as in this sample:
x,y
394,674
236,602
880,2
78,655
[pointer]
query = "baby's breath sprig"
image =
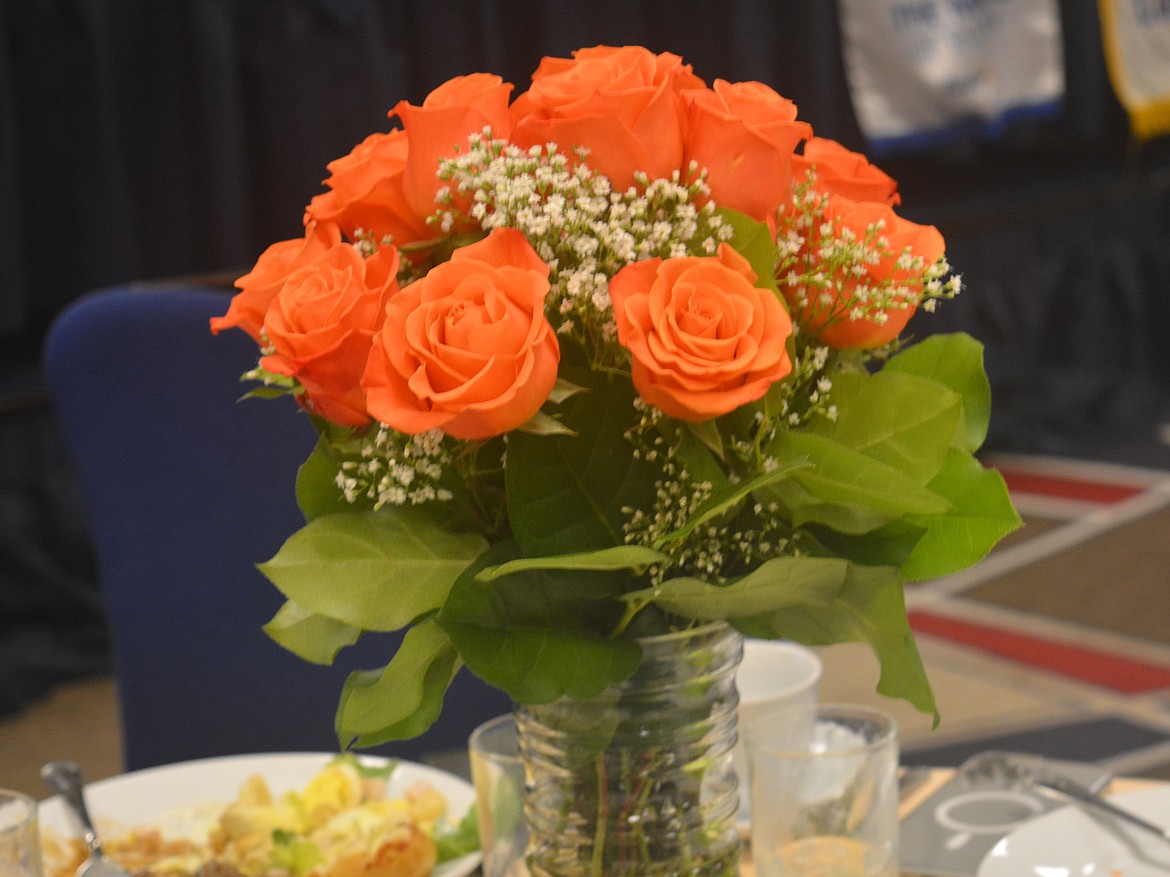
x,y
825,265
386,467
714,551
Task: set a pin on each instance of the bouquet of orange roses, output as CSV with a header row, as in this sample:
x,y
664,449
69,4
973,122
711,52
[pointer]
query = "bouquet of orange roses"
x,y
614,356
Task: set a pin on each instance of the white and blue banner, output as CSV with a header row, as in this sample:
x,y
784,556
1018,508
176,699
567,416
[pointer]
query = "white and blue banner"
x,y
1137,53
924,72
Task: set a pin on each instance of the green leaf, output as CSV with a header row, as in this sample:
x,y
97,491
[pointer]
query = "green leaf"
x,y
541,664
374,570
887,545
955,361
633,557
776,584
540,635
317,490
544,424
404,698
564,389
566,493
870,607
753,240
983,515
844,488
707,432
899,419
314,638
269,393
463,838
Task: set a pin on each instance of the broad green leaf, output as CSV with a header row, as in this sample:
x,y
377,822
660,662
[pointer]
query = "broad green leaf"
x,y
870,607
566,493
376,570
841,480
540,634
956,361
541,664
887,545
983,515
314,638
752,240
776,584
900,419
404,698
633,557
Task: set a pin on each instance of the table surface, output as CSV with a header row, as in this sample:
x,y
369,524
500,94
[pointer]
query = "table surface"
x,y
935,779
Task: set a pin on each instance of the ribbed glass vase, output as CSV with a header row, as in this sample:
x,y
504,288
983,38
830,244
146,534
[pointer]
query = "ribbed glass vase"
x,y
639,780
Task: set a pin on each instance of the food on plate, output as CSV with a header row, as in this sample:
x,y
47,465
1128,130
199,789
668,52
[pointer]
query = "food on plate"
x,y
341,824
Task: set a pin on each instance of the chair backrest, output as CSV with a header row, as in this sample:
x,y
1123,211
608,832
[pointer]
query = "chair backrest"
x,y
187,489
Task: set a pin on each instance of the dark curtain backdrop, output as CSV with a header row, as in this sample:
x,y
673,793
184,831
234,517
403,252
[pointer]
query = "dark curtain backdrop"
x,y
142,140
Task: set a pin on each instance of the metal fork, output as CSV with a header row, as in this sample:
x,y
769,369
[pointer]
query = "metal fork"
x,y
1066,789
65,778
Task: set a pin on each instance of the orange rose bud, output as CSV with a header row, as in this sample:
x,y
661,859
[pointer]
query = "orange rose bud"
x,y
621,104
828,314
745,135
366,192
439,129
467,349
274,267
703,337
840,171
321,326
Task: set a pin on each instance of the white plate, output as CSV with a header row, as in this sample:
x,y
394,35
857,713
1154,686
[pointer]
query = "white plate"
x,y
179,798
1070,842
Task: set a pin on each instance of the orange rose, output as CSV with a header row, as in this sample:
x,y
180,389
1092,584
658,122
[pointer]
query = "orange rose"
x,y
828,314
704,339
366,192
840,171
622,104
321,326
440,127
260,285
467,348
744,134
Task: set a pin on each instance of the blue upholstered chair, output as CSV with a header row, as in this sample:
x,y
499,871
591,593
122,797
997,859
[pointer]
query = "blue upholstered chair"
x,y
187,489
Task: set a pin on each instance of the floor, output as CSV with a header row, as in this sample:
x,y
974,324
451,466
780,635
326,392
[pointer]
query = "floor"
x,y
1059,643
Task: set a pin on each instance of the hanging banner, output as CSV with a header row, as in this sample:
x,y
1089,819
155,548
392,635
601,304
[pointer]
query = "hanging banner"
x,y
924,72
1137,53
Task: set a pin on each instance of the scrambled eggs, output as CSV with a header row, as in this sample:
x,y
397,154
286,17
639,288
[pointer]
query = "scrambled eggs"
x,y
341,824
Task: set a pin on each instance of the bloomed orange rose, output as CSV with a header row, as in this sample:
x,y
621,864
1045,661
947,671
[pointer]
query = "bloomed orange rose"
x,y
366,192
274,267
744,134
830,315
621,104
841,171
467,349
321,326
440,127
704,339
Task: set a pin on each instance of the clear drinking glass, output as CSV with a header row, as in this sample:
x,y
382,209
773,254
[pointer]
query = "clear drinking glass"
x,y
824,792
497,771
20,837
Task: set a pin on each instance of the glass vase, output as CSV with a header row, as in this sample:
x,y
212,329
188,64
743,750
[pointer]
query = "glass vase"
x,y
639,780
